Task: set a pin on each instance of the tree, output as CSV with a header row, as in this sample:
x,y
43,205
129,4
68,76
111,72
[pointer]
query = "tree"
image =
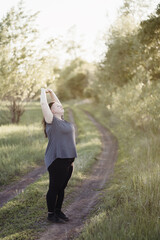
x,y
135,8
149,36
24,66
17,36
72,80
120,60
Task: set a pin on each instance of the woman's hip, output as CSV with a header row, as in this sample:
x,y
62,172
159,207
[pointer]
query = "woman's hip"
x,y
64,160
61,163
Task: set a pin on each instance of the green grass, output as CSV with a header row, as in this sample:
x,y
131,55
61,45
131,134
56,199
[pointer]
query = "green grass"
x,y
22,145
129,209
24,217
131,203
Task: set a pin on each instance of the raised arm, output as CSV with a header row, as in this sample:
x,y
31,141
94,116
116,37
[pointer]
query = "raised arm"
x,y
53,96
47,113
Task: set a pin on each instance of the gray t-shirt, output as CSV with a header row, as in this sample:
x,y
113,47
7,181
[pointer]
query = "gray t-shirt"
x,y
61,140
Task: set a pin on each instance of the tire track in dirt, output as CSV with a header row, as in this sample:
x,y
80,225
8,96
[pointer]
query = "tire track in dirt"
x,y
10,191
87,194
16,188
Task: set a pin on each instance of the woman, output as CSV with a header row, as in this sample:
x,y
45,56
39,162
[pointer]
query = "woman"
x,y
59,155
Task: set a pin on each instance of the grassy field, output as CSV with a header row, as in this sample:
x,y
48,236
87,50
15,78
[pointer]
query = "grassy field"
x,y
21,145
131,203
131,207
24,217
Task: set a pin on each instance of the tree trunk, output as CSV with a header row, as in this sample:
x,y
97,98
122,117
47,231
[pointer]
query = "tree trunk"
x,y
16,111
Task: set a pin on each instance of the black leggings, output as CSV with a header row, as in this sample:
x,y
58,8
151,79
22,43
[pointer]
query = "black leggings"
x,y
60,172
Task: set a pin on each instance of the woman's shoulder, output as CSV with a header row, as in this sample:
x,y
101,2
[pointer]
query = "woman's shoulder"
x,y
54,119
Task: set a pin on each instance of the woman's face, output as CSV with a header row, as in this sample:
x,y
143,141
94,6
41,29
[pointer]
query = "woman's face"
x,y
57,108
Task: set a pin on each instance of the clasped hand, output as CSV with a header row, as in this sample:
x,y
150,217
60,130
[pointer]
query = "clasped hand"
x,y
47,90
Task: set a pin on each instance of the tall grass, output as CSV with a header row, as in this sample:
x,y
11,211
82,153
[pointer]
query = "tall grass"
x,y
22,145
131,206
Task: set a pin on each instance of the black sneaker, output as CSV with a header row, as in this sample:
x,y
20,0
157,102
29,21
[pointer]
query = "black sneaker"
x,y
54,218
61,215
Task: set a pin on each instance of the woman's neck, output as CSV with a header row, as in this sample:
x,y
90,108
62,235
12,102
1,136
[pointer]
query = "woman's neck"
x,y
58,116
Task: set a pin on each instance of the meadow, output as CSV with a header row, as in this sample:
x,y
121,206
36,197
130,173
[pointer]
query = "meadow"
x,y
24,217
131,206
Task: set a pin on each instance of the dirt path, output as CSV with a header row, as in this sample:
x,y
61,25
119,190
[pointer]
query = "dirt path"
x,y
87,195
10,191
16,188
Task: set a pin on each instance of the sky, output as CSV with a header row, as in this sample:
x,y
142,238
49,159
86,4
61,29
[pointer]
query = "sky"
x,y
91,18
